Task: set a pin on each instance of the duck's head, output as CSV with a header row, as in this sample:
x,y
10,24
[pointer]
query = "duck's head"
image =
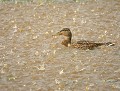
x,y
65,32
67,36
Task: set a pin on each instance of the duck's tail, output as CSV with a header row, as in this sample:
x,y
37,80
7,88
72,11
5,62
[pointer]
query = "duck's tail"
x,y
109,44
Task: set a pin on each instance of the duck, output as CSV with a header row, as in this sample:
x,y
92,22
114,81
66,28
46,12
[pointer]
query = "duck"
x,y
83,44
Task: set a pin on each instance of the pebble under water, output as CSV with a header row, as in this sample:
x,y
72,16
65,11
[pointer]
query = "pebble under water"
x,y
32,60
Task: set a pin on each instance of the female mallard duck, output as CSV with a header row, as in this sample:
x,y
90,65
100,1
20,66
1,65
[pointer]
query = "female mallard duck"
x,y
84,45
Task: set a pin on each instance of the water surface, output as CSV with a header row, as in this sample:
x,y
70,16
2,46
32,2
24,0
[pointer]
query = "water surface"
x,y
32,60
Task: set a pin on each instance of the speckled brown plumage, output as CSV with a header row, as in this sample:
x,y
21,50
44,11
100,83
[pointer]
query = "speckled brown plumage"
x,y
80,44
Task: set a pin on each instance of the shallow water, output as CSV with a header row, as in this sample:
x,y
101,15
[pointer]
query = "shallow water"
x,y
32,60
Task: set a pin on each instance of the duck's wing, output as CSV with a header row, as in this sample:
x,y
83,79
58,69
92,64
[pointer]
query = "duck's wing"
x,y
85,42
89,44
86,45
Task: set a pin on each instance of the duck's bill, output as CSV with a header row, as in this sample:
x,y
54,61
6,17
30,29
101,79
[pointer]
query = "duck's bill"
x,y
55,35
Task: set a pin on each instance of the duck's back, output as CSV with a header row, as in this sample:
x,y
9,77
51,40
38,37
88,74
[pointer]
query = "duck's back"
x,y
84,45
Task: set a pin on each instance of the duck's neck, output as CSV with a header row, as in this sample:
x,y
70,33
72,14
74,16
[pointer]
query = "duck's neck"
x,y
67,41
